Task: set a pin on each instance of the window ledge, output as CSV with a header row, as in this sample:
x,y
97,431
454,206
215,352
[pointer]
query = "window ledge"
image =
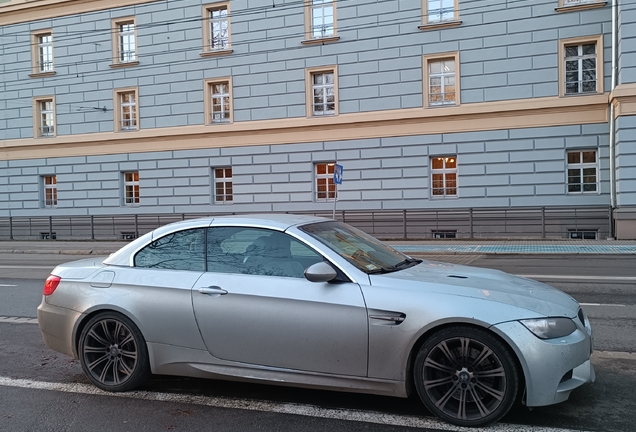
x,y
323,40
580,7
439,25
121,65
42,74
216,53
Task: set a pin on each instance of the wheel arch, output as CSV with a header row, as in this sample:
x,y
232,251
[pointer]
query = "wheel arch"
x,y
410,376
89,314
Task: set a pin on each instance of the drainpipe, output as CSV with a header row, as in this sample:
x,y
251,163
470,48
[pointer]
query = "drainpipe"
x,y
612,121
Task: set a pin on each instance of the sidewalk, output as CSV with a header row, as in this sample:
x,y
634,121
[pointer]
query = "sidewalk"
x,y
438,247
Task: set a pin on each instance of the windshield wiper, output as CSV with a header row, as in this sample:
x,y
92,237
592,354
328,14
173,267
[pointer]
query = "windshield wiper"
x,y
407,263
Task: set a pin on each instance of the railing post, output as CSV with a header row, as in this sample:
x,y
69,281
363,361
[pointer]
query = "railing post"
x,y
10,227
136,227
404,224
472,232
542,222
50,227
92,228
343,216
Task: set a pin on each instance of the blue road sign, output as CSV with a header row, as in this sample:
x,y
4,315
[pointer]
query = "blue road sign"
x,y
337,174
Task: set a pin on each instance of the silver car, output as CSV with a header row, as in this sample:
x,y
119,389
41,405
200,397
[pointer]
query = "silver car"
x,y
311,302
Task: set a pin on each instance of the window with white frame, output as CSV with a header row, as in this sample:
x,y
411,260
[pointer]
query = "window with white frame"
x,y
323,93
42,52
220,107
216,29
49,194
325,185
444,176
322,19
126,42
441,82
131,188
582,169
580,68
126,115
223,190
45,52
440,10
44,117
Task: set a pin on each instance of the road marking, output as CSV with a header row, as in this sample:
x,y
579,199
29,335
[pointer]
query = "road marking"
x,y
18,320
275,407
595,278
26,267
602,304
4,285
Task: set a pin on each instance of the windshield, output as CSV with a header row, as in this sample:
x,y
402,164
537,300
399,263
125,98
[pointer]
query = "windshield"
x,y
360,249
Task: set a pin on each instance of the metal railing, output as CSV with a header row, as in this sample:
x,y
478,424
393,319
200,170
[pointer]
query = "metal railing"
x,y
464,223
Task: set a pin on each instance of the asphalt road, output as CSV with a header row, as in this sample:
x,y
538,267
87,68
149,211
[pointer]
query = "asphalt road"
x,y
41,390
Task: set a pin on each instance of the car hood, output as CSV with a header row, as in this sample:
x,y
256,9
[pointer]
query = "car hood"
x,y
484,284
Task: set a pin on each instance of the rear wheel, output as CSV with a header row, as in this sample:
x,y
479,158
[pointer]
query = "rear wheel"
x,y
113,353
466,376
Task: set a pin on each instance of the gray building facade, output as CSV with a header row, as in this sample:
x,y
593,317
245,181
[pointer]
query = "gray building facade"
x,y
184,106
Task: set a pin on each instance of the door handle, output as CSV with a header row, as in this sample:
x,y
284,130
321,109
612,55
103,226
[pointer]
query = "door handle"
x,y
212,291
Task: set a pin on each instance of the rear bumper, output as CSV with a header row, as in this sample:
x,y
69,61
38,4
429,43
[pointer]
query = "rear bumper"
x,y
57,326
552,367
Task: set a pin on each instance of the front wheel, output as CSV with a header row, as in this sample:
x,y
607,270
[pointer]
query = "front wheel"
x,y
466,376
113,353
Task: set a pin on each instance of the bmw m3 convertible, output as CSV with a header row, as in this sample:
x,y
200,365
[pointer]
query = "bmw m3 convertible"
x,y
312,302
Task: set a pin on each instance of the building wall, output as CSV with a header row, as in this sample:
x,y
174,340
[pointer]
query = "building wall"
x,y
510,130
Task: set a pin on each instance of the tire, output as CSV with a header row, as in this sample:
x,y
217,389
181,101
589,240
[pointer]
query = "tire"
x,y
466,376
113,353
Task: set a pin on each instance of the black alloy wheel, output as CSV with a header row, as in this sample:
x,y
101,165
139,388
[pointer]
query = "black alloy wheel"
x,y
466,376
113,353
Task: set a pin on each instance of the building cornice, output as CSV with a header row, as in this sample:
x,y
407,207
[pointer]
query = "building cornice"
x,y
28,11
514,114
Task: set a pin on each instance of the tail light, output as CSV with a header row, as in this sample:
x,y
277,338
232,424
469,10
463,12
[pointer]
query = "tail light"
x,y
51,284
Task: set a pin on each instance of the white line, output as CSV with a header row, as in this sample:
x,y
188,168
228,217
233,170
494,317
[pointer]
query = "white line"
x,y
602,304
600,278
3,285
281,408
51,267
18,320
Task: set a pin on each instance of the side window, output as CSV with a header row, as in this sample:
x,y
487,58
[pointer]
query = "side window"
x,y
183,250
257,252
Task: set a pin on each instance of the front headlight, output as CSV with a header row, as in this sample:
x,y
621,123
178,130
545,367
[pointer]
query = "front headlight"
x,y
550,328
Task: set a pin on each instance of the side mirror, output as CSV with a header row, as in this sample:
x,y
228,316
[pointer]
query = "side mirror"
x,y
320,272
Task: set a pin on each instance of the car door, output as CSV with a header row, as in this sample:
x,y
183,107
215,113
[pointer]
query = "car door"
x,y
254,306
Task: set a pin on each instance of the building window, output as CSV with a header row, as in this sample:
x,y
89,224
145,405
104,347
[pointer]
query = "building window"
x,y
583,234
223,191
42,52
49,183
444,176
216,32
44,117
581,66
582,171
131,188
320,19
441,80
437,234
576,5
124,42
440,13
126,110
218,104
323,92
325,186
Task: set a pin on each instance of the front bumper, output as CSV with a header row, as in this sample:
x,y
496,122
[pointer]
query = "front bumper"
x,y
57,326
552,367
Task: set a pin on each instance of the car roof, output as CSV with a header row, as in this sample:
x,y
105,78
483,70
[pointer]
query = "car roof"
x,y
276,221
